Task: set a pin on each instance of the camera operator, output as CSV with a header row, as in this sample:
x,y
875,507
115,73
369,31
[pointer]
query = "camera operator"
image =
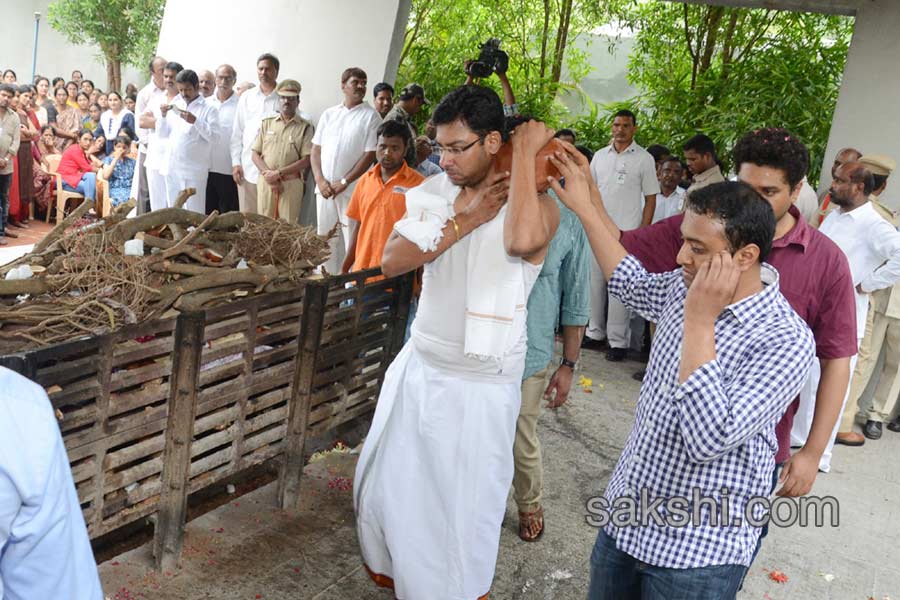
x,y
493,60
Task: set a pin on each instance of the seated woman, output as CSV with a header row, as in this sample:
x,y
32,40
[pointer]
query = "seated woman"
x,y
44,184
114,119
92,121
72,92
78,167
118,170
64,120
84,106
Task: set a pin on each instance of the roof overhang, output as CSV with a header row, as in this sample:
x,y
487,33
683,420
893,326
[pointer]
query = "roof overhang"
x,y
831,7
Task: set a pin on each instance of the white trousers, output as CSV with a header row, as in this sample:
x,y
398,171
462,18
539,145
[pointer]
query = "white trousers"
x,y
807,408
612,323
432,480
176,183
330,211
156,184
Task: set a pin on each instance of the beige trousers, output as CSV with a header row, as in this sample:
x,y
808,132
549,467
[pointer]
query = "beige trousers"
x,y
882,333
528,479
247,197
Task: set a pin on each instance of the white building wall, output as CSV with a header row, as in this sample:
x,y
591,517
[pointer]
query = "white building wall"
x,y
315,40
867,115
56,56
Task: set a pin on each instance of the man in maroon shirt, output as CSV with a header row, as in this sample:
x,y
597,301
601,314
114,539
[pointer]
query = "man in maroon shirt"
x,y
815,279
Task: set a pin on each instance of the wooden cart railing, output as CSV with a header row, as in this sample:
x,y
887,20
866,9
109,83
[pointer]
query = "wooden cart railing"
x,y
155,411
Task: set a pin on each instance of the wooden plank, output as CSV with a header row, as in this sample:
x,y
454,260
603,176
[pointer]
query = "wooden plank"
x,y
104,372
169,534
301,392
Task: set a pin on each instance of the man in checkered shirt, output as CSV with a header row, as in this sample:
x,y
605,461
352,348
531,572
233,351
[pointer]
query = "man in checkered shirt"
x,y
729,357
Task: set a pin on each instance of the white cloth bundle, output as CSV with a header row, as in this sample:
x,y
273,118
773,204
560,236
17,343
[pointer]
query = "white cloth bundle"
x,y
494,280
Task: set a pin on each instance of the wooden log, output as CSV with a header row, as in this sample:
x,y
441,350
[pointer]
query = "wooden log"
x,y
127,229
301,394
169,533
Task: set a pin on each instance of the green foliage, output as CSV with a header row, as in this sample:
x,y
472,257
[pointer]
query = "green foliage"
x,y
725,71
126,31
443,34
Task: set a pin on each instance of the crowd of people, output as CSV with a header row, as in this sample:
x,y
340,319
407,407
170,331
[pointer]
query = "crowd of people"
x,y
763,308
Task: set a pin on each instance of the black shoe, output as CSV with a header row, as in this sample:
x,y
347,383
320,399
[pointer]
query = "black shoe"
x,y
872,430
894,425
639,376
616,354
592,344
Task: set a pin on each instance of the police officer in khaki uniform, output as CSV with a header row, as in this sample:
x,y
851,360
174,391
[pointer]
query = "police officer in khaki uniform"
x,y
281,152
882,332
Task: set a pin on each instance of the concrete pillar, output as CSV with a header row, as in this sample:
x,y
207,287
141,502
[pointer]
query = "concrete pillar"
x,y
866,116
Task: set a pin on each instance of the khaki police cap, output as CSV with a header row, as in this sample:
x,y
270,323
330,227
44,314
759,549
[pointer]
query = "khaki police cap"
x,y
288,87
878,164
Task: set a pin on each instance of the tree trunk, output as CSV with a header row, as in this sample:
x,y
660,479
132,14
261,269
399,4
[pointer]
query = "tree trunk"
x,y
113,74
561,39
712,33
544,32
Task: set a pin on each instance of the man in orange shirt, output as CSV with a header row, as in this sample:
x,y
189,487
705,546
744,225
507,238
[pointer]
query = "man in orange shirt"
x,y
379,199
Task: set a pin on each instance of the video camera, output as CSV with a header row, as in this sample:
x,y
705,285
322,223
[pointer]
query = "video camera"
x,y
491,59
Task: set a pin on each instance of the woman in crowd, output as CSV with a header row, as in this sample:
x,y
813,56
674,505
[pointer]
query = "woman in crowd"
x,y
92,121
78,167
72,90
42,101
102,101
84,106
9,76
29,132
131,90
44,184
130,101
115,119
64,120
118,170
95,97
58,82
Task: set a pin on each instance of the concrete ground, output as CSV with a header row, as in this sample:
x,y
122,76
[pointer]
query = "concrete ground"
x,y
249,550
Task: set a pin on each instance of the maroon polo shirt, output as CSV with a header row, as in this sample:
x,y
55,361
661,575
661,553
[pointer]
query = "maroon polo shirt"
x,y
814,276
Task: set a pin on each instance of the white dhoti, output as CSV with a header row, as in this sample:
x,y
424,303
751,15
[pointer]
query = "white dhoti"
x,y
432,480
156,186
807,409
176,183
330,212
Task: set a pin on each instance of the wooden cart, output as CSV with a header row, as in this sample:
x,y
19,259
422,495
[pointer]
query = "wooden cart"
x,y
156,411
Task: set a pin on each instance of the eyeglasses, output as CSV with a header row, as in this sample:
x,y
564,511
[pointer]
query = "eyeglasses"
x,y
442,151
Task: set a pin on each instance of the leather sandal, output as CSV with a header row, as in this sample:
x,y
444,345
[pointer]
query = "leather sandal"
x,y
531,525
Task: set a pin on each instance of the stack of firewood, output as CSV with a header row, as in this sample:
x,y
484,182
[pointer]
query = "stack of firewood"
x,y
83,282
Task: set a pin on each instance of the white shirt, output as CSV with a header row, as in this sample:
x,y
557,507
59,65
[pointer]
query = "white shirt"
x,y
345,134
872,247
158,146
220,160
624,179
190,144
668,206
252,108
44,546
807,202
148,97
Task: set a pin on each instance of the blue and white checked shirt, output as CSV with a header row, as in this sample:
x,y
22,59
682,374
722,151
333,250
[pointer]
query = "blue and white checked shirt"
x,y
714,432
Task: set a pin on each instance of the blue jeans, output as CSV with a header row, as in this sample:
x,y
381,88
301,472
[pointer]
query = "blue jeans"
x,y
413,307
5,183
616,575
87,187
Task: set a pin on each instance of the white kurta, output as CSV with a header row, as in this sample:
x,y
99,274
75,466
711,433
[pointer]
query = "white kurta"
x,y
44,546
190,150
434,474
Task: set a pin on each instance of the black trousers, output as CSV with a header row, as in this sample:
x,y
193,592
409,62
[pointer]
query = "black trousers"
x,y
221,193
5,183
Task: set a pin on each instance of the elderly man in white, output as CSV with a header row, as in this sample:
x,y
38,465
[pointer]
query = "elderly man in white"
x,y
44,546
191,131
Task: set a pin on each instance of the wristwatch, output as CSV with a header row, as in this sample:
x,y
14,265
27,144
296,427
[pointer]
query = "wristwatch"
x,y
343,181
565,362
